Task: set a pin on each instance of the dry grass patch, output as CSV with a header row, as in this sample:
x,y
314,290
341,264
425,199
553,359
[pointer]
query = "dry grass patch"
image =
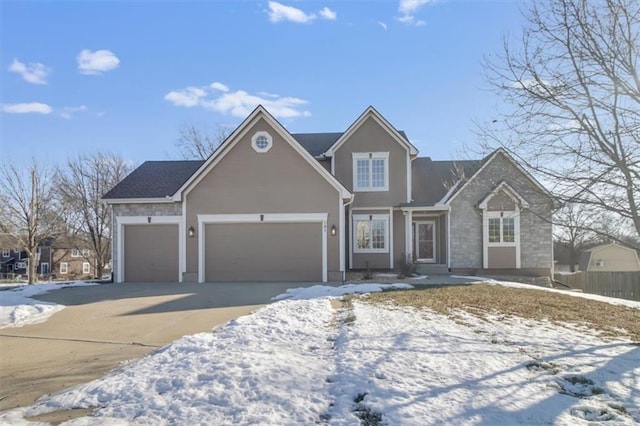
x,y
479,299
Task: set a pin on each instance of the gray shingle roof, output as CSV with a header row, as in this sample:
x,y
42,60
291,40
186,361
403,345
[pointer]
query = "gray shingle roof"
x,y
154,179
433,179
316,143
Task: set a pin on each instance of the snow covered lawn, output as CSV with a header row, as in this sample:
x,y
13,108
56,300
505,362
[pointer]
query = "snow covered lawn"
x,y
17,308
319,360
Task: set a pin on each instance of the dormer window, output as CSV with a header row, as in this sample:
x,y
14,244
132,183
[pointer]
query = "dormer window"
x,y
371,171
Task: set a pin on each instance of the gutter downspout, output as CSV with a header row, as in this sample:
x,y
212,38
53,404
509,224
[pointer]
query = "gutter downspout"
x,y
344,236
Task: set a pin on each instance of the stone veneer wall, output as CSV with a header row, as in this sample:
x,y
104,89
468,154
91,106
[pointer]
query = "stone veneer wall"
x,y
466,218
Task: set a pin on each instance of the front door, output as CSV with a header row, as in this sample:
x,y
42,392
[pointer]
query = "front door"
x,y
425,241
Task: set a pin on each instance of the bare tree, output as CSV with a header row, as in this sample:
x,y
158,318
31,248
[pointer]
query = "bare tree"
x,y
80,188
573,230
572,103
196,143
28,208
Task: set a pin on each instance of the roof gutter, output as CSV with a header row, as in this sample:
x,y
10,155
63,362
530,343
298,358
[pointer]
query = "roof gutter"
x,y
167,199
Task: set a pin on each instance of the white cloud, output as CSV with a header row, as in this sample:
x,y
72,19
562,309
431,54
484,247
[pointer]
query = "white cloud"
x,y
238,103
407,9
329,14
189,97
35,73
27,108
68,112
97,62
383,25
410,20
219,86
279,12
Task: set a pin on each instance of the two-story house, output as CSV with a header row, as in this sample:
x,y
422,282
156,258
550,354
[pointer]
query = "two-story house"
x,y
269,205
68,258
13,259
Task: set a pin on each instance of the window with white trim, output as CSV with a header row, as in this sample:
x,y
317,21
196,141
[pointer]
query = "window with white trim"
x,y
64,267
86,268
6,252
371,171
85,252
75,252
370,233
261,142
501,227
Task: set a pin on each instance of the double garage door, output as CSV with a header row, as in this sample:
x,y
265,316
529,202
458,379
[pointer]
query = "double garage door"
x,y
263,252
232,252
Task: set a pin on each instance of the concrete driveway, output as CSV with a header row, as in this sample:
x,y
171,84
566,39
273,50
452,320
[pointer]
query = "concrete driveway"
x,y
106,325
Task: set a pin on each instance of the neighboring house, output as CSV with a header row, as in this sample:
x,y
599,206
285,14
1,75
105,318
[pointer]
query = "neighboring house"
x,y
610,258
13,259
268,205
68,258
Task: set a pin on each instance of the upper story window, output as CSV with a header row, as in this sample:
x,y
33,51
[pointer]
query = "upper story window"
x,y
75,252
5,252
261,142
371,171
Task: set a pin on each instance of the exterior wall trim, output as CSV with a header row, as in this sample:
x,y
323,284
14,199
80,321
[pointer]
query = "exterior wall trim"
x,y
204,219
485,237
167,199
425,208
121,221
512,193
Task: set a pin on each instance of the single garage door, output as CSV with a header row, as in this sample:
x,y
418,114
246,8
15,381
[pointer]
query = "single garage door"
x,y
263,252
151,253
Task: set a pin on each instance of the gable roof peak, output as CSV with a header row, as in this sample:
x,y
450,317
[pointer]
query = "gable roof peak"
x,y
370,111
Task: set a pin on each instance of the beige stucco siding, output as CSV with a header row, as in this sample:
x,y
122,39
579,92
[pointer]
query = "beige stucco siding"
x,y
263,252
151,253
613,258
277,181
399,249
502,257
371,137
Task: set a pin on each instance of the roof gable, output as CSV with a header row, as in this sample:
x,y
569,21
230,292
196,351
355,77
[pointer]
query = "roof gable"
x,y
259,113
507,189
371,112
487,160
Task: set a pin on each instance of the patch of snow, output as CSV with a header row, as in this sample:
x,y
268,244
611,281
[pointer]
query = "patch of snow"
x,y
419,277
315,291
302,362
17,308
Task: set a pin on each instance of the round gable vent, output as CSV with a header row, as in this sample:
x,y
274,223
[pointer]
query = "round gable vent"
x,y
261,142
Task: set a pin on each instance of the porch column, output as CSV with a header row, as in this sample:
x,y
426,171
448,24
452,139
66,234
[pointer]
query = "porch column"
x,y
408,232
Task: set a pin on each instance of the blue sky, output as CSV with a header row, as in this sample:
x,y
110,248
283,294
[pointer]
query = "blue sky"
x,y
124,76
